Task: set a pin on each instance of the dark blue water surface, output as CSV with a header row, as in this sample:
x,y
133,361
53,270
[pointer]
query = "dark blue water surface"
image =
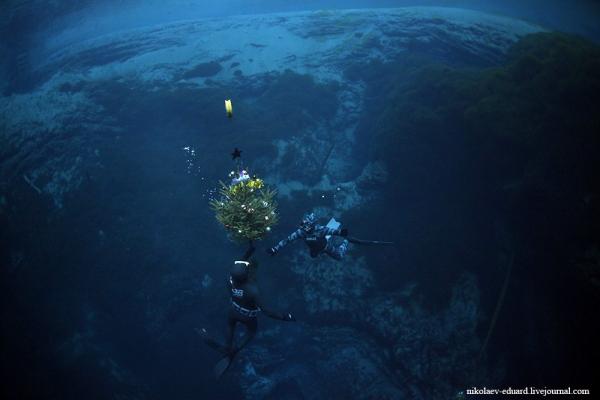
x,y
467,136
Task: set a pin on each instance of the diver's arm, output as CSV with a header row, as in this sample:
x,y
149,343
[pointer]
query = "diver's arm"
x,y
273,314
249,252
276,315
297,234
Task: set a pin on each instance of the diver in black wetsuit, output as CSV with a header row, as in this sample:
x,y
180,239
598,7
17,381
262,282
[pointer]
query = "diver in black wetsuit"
x,y
245,306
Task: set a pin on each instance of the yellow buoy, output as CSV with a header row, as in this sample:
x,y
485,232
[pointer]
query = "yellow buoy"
x,y
228,108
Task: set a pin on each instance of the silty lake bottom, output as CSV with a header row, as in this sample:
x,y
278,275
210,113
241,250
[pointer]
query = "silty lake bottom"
x,y
467,139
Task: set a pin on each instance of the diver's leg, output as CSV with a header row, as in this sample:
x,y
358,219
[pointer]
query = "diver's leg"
x,y
231,321
210,341
343,248
331,251
336,253
251,327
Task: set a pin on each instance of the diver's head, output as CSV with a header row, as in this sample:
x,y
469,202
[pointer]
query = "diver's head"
x,y
239,272
308,222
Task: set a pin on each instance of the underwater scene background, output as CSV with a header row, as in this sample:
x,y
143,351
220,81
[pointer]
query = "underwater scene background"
x,y
467,136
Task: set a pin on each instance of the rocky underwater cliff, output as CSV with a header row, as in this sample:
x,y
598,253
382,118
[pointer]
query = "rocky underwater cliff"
x,y
469,140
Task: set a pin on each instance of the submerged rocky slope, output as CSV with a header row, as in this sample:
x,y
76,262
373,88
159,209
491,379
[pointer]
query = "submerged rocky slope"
x,y
114,146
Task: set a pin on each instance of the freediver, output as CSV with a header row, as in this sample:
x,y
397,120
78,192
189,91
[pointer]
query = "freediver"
x,y
317,238
246,304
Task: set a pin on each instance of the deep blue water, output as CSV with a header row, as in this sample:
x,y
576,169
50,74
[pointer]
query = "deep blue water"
x,y
476,158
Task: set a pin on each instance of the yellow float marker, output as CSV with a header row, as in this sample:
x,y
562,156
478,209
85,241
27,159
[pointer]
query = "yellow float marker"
x,y
228,108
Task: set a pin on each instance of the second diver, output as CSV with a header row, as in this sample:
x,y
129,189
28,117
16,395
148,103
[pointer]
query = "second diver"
x,y
317,238
246,304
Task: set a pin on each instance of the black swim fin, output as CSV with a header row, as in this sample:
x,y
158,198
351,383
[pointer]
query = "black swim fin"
x,y
211,342
222,366
368,242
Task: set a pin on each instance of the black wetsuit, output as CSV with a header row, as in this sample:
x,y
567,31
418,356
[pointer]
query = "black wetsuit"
x,y
245,306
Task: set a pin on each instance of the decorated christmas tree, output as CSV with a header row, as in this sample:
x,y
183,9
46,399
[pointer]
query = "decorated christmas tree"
x,y
246,208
